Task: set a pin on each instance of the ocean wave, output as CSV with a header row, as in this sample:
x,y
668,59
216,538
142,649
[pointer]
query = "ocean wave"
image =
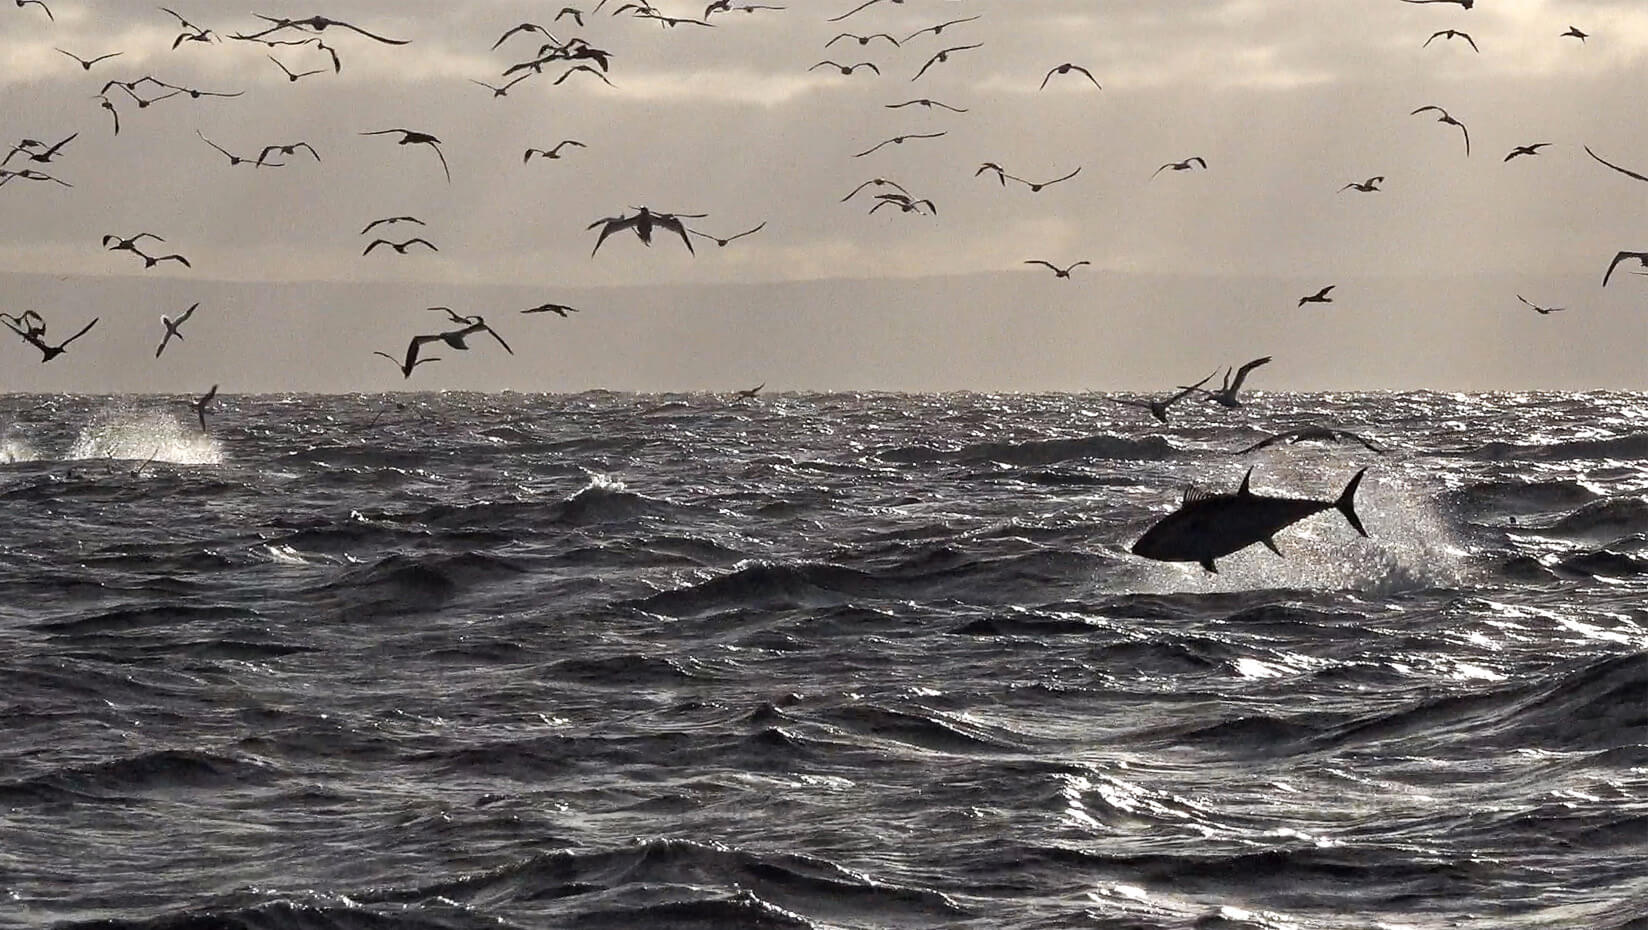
x,y
1040,452
1632,447
157,771
1605,519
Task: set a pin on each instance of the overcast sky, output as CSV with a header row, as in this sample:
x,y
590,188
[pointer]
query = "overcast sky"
x,y
1286,101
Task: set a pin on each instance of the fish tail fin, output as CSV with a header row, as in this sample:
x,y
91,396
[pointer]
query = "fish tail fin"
x,y
1347,502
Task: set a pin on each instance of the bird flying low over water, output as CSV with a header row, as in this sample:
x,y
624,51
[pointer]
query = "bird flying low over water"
x,y
203,402
412,360
173,327
1057,271
1226,394
1452,34
1625,171
1311,434
642,222
412,137
1181,165
1158,408
1320,297
1641,257
1066,68
749,393
1445,118
1542,311
1211,526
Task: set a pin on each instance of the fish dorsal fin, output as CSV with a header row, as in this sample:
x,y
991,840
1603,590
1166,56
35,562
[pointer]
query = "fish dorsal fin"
x,y
1244,491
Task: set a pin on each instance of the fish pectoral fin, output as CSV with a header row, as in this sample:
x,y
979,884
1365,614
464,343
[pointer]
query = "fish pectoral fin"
x,y
1271,545
1210,567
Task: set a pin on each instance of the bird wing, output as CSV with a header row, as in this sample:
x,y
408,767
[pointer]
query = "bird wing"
x,y
83,331
370,35
377,242
1186,391
1628,173
443,161
186,314
418,239
1241,373
852,11
1428,107
612,226
670,222
1639,256
929,64
1467,38
499,338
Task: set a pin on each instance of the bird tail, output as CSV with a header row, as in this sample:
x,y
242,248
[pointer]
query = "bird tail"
x,y
1347,502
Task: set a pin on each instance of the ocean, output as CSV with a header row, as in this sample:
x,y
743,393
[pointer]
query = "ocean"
x,y
462,661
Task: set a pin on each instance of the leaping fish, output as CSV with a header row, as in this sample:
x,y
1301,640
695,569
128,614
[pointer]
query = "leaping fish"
x,y
1211,526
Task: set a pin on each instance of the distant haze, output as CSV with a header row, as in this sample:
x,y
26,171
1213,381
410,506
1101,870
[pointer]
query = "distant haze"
x,y
1191,271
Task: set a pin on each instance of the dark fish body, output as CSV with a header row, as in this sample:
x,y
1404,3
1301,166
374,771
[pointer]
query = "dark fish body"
x,y
1207,527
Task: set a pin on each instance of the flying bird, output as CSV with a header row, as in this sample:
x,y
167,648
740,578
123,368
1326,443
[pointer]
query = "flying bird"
x,y
1368,186
85,63
1311,434
149,261
1061,272
866,3
1446,118
1625,171
577,68
1320,297
400,247
1066,68
412,360
720,242
290,149
1542,311
899,140
1528,150
525,27
29,174
1001,175
642,222
862,40
560,310
1226,394
576,14
845,69
500,91
471,325
412,137
904,202
129,245
49,352
1181,165
43,156
749,393
939,28
41,4
1574,31
1641,257
317,24
926,103
1036,186
203,402
173,327
392,220
1452,34
553,152
292,76
875,182
238,159
943,55
115,114
1158,408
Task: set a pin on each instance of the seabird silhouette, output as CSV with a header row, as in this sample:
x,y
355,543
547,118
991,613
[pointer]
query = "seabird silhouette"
x,y
400,247
1574,31
1453,34
927,103
1445,118
292,76
1320,297
1066,68
899,140
1061,272
412,360
845,69
173,327
749,393
413,137
1528,150
1181,165
200,405
1311,434
560,310
1158,408
1369,186
316,24
500,91
642,222
49,352
1226,394
721,243
103,101
391,220
877,182
291,149
552,152
943,55
1542,311
1035,186
862,40
85,63
939,28
239,159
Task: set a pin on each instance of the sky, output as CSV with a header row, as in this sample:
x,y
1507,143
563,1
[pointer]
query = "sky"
x,y
1190,271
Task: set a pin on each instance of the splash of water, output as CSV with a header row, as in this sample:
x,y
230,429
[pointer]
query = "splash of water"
x,y
140,435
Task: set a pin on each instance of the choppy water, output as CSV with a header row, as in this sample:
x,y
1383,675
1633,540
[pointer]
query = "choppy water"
x,y
817,661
